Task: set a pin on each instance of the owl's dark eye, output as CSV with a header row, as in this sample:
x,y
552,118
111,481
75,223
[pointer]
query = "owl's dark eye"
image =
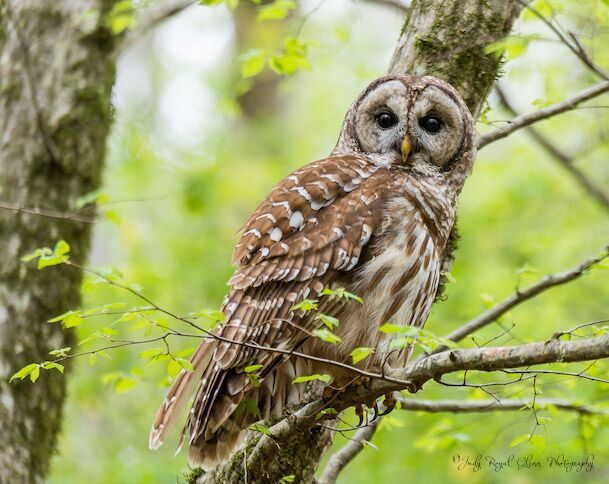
x,y
386,120
431,124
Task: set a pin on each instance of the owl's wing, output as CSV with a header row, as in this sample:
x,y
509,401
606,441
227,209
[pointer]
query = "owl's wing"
x,y
311,228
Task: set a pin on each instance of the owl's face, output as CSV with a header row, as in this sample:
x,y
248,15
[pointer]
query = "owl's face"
x,y
420,123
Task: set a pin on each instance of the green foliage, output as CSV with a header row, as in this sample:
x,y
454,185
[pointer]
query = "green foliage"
x,y
305,305
33,370
277,10
512,46
326,335
359,354
49,257
120,17
315,377
330,321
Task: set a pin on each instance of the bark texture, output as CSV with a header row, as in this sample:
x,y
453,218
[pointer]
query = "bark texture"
x,y
442,38
56,73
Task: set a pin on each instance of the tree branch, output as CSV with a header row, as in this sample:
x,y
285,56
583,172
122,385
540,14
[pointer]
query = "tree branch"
x,y
577,48
433,367
150,18
351,449
528,119
492,405
547,282
559,156
347,453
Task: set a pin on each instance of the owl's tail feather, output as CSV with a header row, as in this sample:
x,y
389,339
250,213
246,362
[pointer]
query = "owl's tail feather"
x,y
221,416
179,394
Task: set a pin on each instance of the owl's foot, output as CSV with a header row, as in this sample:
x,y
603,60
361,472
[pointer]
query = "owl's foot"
x,y
389,403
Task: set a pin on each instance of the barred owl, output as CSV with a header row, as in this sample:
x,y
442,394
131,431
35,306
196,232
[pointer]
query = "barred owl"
x,y
373,218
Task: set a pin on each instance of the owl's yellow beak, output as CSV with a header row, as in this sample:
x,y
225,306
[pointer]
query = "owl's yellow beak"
x,y
405,148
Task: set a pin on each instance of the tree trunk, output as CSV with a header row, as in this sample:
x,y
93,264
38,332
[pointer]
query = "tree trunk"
x,y
442,38
56,73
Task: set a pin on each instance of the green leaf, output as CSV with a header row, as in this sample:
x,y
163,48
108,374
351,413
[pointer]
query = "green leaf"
x,y
254,379
120,17
324,412
277,10
389,328
252,368
34,374
60,352
341,293
61,248
51,365
72,320
367,443
317,377
253,64
124,385
25,371
519,440
287,479
305,305
329,321
326,335
209,313
358,354
512,46
210,3
150,353
263,429
45,251
185,364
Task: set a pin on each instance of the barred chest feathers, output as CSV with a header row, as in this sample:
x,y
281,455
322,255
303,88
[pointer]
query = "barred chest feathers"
x,y
399,282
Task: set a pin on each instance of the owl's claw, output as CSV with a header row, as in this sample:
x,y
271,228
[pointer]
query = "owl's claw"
x,y
375,407
389,403
359,411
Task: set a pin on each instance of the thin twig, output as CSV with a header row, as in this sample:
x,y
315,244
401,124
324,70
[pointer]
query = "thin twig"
x,y
491,405
150,18
48,213
576,47
562,158
547,282
524,120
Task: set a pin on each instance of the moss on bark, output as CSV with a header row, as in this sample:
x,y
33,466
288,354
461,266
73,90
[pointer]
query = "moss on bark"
x,y
55,82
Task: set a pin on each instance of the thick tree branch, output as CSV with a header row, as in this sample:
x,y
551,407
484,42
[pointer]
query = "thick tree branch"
x,y
525,120
561,157
434,367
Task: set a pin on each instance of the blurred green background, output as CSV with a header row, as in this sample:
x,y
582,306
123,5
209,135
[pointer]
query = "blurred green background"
x,y
195,147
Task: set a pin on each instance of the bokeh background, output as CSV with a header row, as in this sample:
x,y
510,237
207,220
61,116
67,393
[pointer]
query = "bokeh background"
x,y
195,147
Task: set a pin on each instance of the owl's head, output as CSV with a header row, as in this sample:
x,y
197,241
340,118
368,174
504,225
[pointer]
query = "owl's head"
x,y
419,123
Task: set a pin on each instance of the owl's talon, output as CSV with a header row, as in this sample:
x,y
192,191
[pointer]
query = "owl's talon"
x,y
375,408
389,403
359,411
